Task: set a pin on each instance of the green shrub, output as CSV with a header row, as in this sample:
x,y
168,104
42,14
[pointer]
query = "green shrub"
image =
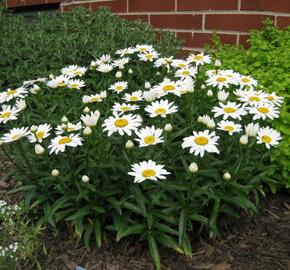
x,y
268,61
94,170
44,46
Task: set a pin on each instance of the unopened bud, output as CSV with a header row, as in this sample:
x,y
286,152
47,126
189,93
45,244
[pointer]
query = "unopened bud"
x,y
39,150
85,179
147,85
119,74
227,176
168,128
51,76
87,131
217,63
157,73
193,168
130,71
33,129
86,110
202,86
209,93
64,127
103,94
55,172
129,144
64,119
244,139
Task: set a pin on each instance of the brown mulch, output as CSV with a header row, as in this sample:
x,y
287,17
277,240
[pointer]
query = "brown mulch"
x,y
259,242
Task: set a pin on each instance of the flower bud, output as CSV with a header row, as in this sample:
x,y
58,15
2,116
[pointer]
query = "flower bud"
x,y
222,95
202,86
130,71
217,63
157,73
55,173
119,74
86,110
147,85
209,93
129,144
93,64
39,150
87,131
33,129
227,176
51,76
64,119
244,139
168,128
193,168
103,94
64,127
85,179
210,124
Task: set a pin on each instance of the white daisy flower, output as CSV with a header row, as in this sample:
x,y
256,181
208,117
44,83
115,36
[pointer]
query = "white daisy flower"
x,y
104,68
8,113
168,86
92,99
186,86
186,72
143,48
148,170
152,94
199,59
148,56
163,61
59,143
19,92
222,95
124,124
231,109
252,129
76,84
134,96
70,128
125,51
229,127
120,63
206,120
251,97
74,71
264,110
179,63
221,81
161,108
119,86
274,99
59,81
15,134
268,136
149,136
247,81
104,59
201,142
20,104
91,119
41,133
125,107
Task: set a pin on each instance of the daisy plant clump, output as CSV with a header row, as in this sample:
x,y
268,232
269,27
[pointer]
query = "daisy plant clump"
x,y
147,153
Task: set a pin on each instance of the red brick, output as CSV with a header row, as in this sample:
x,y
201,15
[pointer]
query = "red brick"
x,y
185,21
69,7
15,3
235,22
34,2
114,5
199,40
207,4
266,5
151,5
283,21
52,1
244,41
135,17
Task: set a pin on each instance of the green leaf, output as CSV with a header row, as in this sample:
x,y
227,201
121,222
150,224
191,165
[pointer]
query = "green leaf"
x,y
154,251
98,233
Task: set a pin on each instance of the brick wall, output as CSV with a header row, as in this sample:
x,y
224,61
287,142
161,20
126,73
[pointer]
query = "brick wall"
x,y
192,20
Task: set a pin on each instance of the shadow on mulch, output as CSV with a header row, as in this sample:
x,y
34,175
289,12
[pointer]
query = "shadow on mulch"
x,y
259,242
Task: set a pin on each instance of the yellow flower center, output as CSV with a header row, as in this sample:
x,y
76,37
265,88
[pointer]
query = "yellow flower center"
x,y
263,109
133,98
221,79
185,73
201,140
149,56
70,129
149,139
39,134
125,108
254,98
121,122
229,128
160,111
168,87
143,49
181,65
266,139
119,88
270,98
245,80
16,137
65,140
76,72
5,115
74,85
229,109
94,99
148,173
61,84
198,57
11,92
